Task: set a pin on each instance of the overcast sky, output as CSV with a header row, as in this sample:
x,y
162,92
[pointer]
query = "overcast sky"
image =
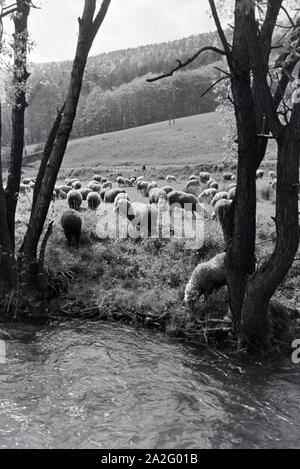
x,y
129,23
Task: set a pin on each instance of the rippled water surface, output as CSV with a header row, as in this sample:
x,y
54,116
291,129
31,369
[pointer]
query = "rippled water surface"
x,y
95,385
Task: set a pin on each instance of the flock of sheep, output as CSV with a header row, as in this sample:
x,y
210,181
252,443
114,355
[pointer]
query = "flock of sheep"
x,y
214,196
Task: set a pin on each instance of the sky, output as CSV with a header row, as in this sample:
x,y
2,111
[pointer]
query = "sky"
x,y
129,23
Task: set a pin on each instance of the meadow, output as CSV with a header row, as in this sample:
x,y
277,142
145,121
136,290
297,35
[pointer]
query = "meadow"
x,y
142,282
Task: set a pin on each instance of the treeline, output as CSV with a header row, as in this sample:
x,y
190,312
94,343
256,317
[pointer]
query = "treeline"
x,y
115,92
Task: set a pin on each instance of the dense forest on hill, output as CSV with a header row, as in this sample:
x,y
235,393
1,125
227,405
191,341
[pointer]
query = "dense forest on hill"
x,y
115,92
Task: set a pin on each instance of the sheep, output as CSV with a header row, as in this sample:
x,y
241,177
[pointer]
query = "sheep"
x,y
95,186
139,178
31,184
185,201
111,194
24,188
104,179
207,195
132,181
85,191
70,182
213,184
272,175
27,181
93,200
156,194
107,184
228,177
71,223
102,193
206,277
221,209
74,199
97,178
152,185
122,195
191,185
171,178
274,184
231,193
219,196
127,182
62,195
120,181
76,185
231,186
167,189
204,177
142,216
260,174
193,177
142,186
65,188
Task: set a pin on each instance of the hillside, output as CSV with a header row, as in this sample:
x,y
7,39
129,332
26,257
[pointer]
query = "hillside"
x,y
115,94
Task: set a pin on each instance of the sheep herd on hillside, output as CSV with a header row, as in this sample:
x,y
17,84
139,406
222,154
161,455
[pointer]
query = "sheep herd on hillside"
x,y
213,199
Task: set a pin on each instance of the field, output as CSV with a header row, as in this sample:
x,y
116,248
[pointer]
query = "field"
x,y
143,281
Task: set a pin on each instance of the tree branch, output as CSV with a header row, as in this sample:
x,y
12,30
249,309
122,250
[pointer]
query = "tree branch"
x,y
187,62
213,85
221,33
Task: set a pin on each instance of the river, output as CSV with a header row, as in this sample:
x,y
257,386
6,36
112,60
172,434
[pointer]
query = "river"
x,y
98,385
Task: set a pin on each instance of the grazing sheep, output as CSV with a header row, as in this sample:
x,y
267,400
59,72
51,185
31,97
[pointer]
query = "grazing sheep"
x,y
207,195
272,175
204,177
213,184
167,189
74,199
24,188
142,216
107,184
27,181
127,182
220,209
206,277
62,195
76,185
70,182
111,194
219,196
132,181
260,174
95,186
228,177
93,200
71,223
142,186
193,177
171,178
104,179
102,193
231,193
65,188
122,195
191,185
97,178
120,181
31,185
152,185
185,201
85,191
139,178
156,194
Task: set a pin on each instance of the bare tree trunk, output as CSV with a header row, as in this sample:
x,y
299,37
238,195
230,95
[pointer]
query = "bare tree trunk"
x,y
20,76
88,28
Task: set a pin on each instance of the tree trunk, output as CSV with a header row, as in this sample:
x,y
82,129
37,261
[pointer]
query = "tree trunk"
x,y
255,326
20,76
88,28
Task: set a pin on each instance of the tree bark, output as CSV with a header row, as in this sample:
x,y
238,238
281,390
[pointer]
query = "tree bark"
x,y
88,28
20,76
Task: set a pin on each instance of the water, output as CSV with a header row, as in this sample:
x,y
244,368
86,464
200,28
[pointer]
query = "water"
x,y
95,385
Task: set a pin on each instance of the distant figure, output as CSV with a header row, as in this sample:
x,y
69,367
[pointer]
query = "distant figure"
x,y
144,168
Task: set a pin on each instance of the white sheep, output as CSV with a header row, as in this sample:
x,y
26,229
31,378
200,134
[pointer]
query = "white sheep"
x,y
206,277
219,196
171,178
207,195
204,177
143,217
74,199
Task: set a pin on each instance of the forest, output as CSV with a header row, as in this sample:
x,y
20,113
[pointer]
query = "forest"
x,y
115,94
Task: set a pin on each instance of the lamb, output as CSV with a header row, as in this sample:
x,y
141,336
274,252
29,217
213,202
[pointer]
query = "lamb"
x,y
93,200
111,194
74,199
219,196
156,194
71,223
228,177
144,216
204,177
206,277
171,178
